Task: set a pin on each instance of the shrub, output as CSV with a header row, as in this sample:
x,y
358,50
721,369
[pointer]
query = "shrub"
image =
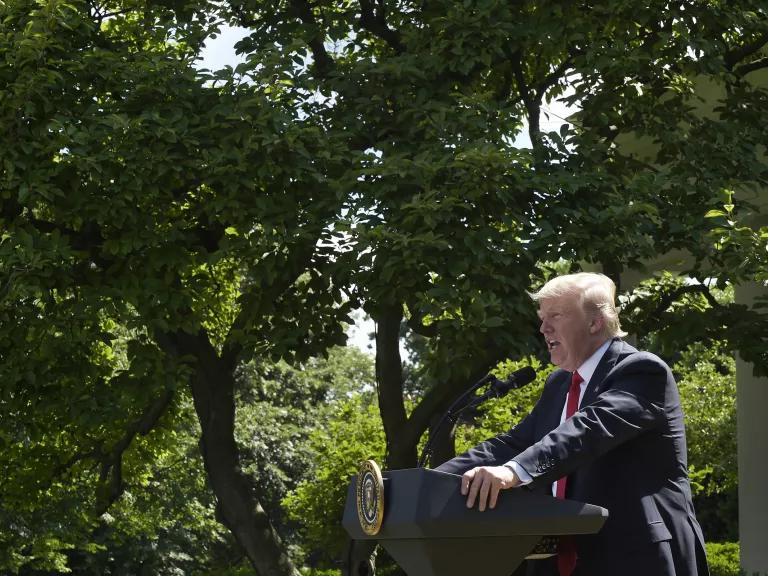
x,y
723,558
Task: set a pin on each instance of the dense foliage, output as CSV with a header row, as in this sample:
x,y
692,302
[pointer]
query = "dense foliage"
x,y
723,559
284,410
707,379
355,434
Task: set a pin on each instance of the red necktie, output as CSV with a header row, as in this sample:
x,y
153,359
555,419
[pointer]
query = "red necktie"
x,y
566,549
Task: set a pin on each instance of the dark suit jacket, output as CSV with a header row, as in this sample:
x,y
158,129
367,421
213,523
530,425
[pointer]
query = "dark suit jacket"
x,y
624,450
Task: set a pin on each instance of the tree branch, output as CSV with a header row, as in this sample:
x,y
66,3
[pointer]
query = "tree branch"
x,y
88,240
415,322
745,69
504,91
99,14
303,11
323,60
78,457
689,289
733,57
551,79
255,297
111,473
374,20
427,330
532,104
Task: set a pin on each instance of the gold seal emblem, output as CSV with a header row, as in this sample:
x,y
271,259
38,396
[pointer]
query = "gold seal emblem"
x,y
370,497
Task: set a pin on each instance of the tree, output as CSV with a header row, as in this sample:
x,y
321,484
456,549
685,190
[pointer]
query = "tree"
x,y
160,227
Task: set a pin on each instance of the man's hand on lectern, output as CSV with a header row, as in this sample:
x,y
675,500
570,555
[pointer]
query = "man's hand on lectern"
x,y
484,482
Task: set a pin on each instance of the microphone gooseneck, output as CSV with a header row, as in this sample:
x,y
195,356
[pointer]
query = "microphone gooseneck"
x,y
497,388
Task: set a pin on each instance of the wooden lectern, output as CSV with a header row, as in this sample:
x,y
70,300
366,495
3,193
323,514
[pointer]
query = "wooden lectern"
x,y
429,531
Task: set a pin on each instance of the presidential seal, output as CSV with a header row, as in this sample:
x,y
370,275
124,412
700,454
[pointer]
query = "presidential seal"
x,y
370,497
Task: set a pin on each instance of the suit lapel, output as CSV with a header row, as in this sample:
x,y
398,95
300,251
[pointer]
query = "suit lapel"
x,y
607,362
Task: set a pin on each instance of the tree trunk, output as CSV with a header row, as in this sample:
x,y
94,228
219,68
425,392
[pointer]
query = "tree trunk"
x,y
444,443
360,558
401,453
238,506
401,431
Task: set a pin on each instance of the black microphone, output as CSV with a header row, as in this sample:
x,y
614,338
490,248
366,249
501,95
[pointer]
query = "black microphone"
x,y
499,388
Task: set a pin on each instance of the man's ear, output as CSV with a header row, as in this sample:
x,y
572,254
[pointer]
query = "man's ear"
x,y
596,324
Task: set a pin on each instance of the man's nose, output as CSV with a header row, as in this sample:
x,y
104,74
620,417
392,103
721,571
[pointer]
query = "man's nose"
x,y
545,327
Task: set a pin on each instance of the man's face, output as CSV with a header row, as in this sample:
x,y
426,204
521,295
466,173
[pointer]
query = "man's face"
x,y
572,335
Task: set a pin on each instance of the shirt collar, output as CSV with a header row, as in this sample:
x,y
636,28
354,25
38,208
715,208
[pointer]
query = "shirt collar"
x,y
587,369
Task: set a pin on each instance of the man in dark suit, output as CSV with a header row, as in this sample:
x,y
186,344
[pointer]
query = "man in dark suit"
x,y
608,429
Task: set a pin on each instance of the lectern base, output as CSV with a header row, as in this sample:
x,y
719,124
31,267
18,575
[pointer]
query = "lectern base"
x,y
494,556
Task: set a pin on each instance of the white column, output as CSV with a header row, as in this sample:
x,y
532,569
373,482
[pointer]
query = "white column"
x,y
752,404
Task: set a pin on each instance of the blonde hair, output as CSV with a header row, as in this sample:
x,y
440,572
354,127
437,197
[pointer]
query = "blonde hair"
x,y
596,292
